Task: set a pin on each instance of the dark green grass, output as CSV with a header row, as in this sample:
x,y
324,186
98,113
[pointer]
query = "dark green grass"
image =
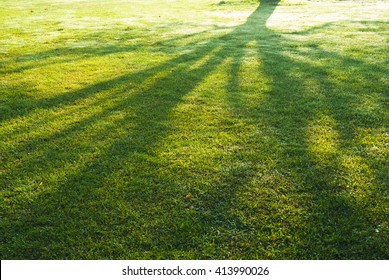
x,y
236,131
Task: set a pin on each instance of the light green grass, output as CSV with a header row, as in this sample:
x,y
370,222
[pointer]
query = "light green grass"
x,y
194,129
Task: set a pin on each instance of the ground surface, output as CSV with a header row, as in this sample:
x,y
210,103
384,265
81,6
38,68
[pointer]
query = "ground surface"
x,y
194,129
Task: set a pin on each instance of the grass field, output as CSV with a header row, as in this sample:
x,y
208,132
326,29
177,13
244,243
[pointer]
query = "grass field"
x,y
205,129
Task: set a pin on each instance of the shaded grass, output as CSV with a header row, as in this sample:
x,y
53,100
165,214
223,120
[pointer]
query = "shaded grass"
x,y
145,131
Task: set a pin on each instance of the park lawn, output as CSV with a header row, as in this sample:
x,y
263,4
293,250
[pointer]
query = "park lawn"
x,y
206,129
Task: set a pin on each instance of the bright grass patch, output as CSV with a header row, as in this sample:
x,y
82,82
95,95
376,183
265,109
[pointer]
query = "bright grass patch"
x,y
194,129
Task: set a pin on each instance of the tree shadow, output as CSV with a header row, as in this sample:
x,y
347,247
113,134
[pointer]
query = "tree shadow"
x,y
338,224
122,198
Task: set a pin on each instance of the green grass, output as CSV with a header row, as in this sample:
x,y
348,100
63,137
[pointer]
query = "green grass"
x,y
194,129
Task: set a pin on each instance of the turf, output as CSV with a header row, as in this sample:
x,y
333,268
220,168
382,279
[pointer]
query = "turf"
x,y
194,129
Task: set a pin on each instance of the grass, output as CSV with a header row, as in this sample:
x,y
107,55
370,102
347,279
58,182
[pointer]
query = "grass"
x,y
194,130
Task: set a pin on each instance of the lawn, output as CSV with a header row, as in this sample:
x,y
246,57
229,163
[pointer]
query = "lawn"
x,y
207,129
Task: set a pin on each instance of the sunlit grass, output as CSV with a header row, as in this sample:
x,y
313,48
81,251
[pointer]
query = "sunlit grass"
x,y
194,129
